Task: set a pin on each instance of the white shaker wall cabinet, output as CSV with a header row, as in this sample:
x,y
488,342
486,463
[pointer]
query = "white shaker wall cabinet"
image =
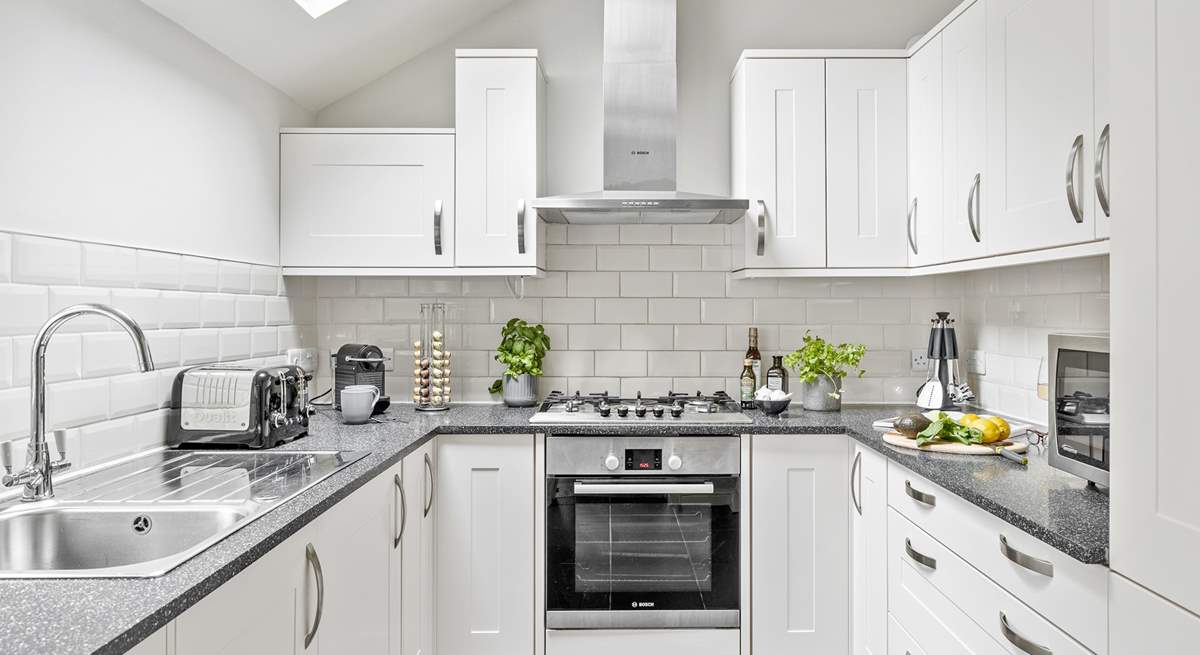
x,y
499,101
1040,105
799,558
412,593
868,553
485,537
866,161
778,132
924,218
378,199
1155,519
1101,167
964,135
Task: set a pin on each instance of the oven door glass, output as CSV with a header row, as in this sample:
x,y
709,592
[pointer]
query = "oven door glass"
x,y
1081,416
642,544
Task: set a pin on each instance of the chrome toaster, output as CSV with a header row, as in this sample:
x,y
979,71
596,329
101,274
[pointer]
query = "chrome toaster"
x,y
232,406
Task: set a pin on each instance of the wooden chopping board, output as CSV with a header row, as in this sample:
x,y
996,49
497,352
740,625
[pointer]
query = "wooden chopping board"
x,y
901,441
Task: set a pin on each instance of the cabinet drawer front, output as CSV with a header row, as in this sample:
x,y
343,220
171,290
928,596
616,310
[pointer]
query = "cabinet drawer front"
x,y
899,641
1070,593
997,613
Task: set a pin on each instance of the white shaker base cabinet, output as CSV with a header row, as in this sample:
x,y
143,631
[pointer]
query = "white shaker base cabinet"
x,y
366,199
1143,622
485,544
866,161
412,560
1040,122
799,546
1156,521
868,552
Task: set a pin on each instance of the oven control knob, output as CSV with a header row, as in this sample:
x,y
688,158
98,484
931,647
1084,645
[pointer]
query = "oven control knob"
x,y
611,462
658,411
676,411
622,411
673,462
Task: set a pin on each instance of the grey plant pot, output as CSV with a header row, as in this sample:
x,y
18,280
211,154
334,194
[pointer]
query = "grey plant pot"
x,y
520,391
816,395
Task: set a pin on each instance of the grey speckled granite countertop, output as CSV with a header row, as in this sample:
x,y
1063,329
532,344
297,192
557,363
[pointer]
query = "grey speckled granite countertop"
x,y
61,617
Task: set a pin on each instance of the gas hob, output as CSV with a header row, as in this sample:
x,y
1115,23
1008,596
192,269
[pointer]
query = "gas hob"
x,y
673,409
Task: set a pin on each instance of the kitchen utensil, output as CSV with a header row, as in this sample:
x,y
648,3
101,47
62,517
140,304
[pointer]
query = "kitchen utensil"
x,y
955,448
943,389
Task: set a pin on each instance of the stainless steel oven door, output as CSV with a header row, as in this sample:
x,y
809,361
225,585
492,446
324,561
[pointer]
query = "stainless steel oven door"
x,y
642,552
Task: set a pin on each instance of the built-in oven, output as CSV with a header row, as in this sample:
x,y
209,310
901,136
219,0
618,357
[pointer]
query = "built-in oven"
x,y
642,532
1080,416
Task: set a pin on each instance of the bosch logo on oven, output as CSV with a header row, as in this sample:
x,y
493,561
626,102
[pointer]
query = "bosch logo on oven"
x,y
642,604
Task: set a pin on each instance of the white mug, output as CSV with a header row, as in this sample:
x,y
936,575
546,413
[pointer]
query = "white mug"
x,y
358,403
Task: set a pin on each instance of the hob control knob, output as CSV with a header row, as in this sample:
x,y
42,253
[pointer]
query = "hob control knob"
x,y
605,410
676,411
640,411
673,462
611,462
622,411
658,411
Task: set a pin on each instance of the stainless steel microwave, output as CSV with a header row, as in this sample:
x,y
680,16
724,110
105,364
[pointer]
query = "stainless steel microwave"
x,y
1078,377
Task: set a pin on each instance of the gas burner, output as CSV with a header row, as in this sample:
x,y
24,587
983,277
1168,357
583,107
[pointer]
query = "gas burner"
x,y
563,408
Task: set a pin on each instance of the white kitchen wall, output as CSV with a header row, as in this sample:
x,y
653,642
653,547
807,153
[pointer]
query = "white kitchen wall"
x,y
194,310
649,308
120,127
568,34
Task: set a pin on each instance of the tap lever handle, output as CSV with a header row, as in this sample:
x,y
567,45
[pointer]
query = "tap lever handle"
x,y
6,456
60,444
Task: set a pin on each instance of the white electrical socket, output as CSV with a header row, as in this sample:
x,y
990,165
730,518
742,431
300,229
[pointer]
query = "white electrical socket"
x,y
305,358
920,361
389,363
977,362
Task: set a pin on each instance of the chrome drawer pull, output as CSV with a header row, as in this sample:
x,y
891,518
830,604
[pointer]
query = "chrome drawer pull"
x,y
1037,565
761,247
429,484
856,467
520,227
919,558
908,228
919,496
437,227
403,510
973,208
1021,642
310,554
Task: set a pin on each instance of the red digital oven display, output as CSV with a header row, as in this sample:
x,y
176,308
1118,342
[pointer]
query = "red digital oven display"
x,y
643,459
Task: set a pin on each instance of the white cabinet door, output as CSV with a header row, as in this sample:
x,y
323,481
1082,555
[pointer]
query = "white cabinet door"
x,y
1039,116
779,162
925,200
799,552
1155,518
1100,166
867,160
366,200
254,612
868,553
485,577
416,595
402,509
499,159
964,135
160,643
1142,622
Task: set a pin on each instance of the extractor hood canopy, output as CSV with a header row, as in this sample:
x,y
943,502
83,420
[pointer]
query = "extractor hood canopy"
x,y
639,130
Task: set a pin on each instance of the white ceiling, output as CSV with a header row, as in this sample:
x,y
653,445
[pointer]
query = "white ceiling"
x,y
317,61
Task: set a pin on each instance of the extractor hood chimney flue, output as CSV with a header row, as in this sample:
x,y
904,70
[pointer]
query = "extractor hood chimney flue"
x,y
640,103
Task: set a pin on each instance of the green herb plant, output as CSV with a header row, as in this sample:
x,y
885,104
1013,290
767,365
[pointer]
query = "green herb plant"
x,y
522,348
945,428
819,358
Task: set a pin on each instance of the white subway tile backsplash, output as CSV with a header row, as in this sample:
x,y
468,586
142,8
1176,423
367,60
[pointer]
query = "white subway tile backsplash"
x,y
5,257
646,285
674,310
199,274
75,403
101,442
650,387
40,260
621,310
14,407
726,310
63,358
699,337
785,310
594,284
1094,311
699,235
884,310
141,304
791,337
715,258
721,363
569,310
25,308
234,277
503,309
108,353
569,363
707,284
594,337
264,341
233,344
622,258
675,258
673,363
279,310
218,310
63,297
856,288
801,287
593,234
571,258
836,310
108,266
6,363
647,337
752,288
556,233
620,364
264,280
164,347
357,310
158,270
251,311
645,234
199,346
179,309
870,336
440,287
135,393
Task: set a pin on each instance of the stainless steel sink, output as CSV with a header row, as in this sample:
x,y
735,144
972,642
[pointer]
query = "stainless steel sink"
x,y
145,516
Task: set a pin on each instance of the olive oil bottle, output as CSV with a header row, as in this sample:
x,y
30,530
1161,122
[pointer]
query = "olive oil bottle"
x,y
777,375
749,384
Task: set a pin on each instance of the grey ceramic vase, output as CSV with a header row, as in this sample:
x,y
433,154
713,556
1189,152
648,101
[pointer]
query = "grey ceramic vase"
x,y
816,395
520,391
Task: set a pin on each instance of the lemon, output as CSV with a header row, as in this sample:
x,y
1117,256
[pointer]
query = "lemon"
x,y
991,431
1001,424
967,419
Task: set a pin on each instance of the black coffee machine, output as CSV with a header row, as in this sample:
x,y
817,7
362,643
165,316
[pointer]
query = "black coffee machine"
x,y
358,363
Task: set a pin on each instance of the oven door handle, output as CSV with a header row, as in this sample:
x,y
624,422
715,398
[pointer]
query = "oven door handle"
x,y
638,488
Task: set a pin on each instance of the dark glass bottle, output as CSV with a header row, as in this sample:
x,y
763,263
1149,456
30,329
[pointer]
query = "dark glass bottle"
x,y
777,375
752,354
748,384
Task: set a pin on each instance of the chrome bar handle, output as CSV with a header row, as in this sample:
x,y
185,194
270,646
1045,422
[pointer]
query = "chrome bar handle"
x,y
521,226
919,496
973,208
919,558
637,489
912,214
1072,197
437,227
856,467
1035,564
1020,641
428,484
762,229
403,510
1101,156
314,561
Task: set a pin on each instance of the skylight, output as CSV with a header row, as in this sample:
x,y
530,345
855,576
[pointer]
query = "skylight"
x,y
318,8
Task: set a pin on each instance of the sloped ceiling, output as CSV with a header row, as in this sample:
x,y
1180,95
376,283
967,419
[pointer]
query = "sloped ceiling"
x,y
317,61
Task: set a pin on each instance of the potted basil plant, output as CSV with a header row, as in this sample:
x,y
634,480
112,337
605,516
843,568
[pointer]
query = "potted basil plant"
x,y
522,348
821,367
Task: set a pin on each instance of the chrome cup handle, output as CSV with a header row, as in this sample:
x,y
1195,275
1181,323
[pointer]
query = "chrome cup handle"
x,y
912,214
973,208
761,248
399,485
1101,158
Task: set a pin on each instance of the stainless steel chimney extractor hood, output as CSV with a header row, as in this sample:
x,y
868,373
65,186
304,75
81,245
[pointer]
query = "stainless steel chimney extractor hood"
x,y
639,130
